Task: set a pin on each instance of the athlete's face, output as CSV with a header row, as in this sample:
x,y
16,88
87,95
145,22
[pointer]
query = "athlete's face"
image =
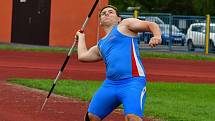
x,y
108,16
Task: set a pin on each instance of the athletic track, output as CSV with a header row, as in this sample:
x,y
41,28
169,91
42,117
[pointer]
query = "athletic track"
x,y
19,103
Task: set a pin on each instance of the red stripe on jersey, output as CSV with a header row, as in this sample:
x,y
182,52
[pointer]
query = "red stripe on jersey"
x,y
134,65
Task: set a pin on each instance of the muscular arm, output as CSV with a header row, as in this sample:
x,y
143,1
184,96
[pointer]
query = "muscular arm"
x,y
133,26
137,25
83,53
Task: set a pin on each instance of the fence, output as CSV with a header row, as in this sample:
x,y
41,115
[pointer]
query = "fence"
x,y
179,33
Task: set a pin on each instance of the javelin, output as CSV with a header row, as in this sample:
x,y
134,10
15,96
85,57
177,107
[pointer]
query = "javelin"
x,y
69,53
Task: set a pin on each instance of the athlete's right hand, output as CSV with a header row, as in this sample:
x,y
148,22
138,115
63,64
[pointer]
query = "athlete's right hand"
x,y
79,36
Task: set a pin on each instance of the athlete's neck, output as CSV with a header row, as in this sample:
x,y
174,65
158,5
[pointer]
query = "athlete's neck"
x,y
108,29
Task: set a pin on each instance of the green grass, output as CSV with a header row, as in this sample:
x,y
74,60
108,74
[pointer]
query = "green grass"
x,y
33,48
181,56
181,101
67,88
165,101
144,54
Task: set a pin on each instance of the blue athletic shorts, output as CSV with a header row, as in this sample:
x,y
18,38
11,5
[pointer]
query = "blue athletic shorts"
x,y
130,92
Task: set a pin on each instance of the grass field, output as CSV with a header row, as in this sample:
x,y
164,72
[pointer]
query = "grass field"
x,y
165,101
144,54
31,48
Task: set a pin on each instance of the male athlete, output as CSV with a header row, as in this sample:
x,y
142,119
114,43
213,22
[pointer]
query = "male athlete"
x,y
125,81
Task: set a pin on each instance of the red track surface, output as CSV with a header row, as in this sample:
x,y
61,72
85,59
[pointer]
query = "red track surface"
x,y
23,104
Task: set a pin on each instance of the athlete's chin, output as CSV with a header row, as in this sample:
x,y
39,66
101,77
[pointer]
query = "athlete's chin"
x,y
107,23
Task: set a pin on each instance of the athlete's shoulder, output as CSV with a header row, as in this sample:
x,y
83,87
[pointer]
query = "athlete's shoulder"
x,y
126,25
128,21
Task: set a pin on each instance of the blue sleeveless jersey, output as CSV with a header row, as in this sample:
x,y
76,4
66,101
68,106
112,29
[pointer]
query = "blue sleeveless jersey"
x,y
121,56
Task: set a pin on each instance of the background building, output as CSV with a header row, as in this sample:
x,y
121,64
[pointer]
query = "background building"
x,y
47,22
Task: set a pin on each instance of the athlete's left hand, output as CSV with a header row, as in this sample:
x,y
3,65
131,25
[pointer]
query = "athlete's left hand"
x,y
154,41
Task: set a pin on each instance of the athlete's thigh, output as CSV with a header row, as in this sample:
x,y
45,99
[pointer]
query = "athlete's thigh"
x,y
103,102
133,98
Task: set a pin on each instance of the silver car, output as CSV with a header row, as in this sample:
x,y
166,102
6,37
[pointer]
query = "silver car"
x,y
196,34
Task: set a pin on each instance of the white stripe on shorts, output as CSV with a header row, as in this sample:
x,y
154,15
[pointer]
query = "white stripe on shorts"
x,y
141,97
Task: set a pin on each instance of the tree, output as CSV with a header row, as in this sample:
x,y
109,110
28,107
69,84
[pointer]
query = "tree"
x,y
176,7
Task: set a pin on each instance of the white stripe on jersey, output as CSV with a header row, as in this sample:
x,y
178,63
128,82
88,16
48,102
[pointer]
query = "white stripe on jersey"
x,y
139,68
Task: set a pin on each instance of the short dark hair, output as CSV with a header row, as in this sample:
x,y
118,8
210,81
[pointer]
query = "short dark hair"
x,y
109,6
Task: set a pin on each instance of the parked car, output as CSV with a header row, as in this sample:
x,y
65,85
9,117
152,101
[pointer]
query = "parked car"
x,y
176,36
195,37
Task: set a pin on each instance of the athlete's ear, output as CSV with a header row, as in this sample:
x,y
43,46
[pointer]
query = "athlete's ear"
x,y
119,19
